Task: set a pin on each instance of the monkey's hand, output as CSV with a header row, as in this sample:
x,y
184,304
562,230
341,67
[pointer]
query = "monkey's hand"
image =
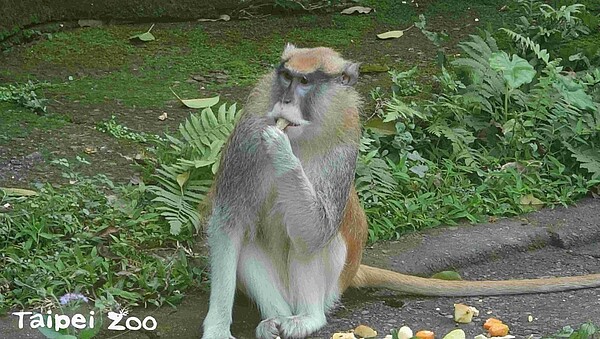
x,y
278,147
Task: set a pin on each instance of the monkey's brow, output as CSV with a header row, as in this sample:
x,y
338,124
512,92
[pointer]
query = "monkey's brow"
x,y
313,76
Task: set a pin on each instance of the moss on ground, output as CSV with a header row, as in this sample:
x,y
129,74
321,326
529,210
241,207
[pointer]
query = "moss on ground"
x,y
19,122
100,65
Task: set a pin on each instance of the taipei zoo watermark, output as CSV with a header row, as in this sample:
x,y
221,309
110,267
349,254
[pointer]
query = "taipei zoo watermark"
x,y
120,321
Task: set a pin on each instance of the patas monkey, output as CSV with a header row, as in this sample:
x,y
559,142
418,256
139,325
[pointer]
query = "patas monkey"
x,y
286,225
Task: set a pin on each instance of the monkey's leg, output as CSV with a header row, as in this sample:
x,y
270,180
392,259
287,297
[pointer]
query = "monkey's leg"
x,y
314,285
258,275
224,249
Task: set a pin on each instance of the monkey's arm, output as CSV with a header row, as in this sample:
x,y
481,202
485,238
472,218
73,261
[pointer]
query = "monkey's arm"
x,y
312,203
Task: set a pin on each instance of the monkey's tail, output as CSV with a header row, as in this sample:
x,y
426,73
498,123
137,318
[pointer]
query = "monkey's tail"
x,y
368,276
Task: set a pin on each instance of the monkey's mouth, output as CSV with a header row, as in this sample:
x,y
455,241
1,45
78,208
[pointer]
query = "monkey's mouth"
x,y
283,123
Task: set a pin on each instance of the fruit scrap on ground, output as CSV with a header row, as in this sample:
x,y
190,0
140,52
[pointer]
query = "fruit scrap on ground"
x,y
425,334
495,327
464,314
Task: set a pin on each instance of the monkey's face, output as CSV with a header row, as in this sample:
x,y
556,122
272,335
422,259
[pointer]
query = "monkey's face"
x,y
302,88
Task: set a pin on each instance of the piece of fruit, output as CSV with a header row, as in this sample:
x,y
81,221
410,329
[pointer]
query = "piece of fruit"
x,y
455,334
365,331
282,123
405,333
463,314
490,322
343,336
425,334
498,330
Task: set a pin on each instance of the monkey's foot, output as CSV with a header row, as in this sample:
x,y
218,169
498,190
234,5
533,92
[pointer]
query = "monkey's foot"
x,y
268,328
217,334
300,326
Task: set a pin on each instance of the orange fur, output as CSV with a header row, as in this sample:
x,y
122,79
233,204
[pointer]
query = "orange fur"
x,y
354,231
308,60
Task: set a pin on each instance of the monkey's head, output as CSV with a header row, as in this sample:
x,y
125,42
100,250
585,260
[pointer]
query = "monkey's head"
x,y
311,90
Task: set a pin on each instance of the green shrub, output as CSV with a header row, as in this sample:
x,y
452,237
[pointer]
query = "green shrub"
x,y
507,133
92,237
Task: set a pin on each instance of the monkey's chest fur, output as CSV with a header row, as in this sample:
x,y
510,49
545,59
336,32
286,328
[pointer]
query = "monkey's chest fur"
x,y
267,251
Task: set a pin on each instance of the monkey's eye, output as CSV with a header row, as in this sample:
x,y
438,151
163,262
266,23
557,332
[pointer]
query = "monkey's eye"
x,y
286,76
304,80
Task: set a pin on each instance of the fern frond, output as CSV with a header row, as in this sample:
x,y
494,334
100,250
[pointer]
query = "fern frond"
x,y
527,43
198,148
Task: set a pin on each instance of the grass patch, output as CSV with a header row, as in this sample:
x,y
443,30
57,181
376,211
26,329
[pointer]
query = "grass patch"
x,y
92,237
94,48
105,67
19,122
393,12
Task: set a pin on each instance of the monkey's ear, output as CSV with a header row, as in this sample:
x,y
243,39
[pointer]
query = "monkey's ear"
x,y
288,48
350,74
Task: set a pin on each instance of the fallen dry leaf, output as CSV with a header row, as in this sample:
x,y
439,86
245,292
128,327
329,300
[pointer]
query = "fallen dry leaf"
x,y
197,103
163,116
390,35
90,150
18,192
223,17
359,9
530,200
109,230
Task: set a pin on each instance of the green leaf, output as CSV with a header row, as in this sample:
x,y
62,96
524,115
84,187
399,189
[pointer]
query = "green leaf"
x,y
123,294
145,37
49,332
447,275
175,226
183,178
574,93
588,159
381,127
89,333
516,72
419,170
